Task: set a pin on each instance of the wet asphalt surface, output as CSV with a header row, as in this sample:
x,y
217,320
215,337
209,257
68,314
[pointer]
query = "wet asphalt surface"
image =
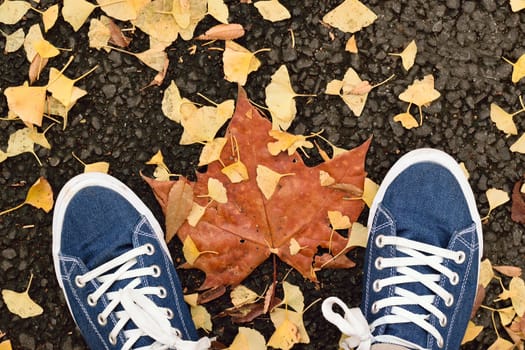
x,y
460,42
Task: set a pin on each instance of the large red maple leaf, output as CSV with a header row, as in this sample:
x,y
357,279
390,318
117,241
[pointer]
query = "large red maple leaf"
x,y
247,229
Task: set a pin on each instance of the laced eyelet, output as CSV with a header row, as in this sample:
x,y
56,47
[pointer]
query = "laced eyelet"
x,y
101,320
169,313
375,308
455,279
449,301
91,301
156,271
178,333
379,241
162,292
460,259
440,343
112,339
443,321
79,283
376,286
378,263
150,249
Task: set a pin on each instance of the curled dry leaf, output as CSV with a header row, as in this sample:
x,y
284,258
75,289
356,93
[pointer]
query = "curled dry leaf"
x,y
36,67
272,10
350,16
180,202
223,32
510,271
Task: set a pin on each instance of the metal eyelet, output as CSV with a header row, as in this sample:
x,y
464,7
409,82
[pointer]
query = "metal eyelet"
x,y
443,321
378,263
376,286
101,320
78,282
169,313
156,271
162,292
379,241
91,301
455,279
178,333
375,308
460,259
112,339
150,249
449,301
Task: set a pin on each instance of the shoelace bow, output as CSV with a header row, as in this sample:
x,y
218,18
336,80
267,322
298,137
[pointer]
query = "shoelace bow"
x,y
150,319
353,323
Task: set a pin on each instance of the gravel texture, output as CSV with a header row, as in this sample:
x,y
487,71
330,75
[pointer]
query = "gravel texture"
x,y
460,42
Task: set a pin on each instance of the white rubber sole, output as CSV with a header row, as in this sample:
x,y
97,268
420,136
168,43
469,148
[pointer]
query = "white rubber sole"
x,y
101,180
433,156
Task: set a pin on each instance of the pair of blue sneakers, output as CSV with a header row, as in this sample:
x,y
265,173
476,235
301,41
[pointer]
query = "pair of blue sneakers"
x,y
420,279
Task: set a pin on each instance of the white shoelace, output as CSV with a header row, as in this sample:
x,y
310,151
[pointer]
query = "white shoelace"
x,y
150,319
354,325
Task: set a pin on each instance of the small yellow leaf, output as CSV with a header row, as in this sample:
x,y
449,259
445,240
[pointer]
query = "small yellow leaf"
x,y
61,87
334,87
34,35
272,10
123,10
196,213
236,172
14,40
76,12
238,62
350,16
200,124
517,5
201,318
20,142
45,49
267,180
6,345
49,17
12,11
21,304
154,57
407,120
338,220
27,102
190,250
408,55
506,315
172,102
325,178
212,151
369,191
241,295
286,142
218,10
99,34
157,159
248,339
496,198
503,120
519,145
356,102
517,290
280,99
217,191
486,273
192,299
358,236
351,45
40,195
286,335
421,92
295,247
518,70
501,344
465,170
472,332
293,297
97,167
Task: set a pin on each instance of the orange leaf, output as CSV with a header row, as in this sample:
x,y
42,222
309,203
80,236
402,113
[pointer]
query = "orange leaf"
x,y
223,32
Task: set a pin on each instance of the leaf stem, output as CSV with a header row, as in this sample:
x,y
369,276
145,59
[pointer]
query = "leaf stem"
x,y
508,61
37,10
261,50
420,116
86,74
79,160
384,81
12,209
207,99
37,159
120,50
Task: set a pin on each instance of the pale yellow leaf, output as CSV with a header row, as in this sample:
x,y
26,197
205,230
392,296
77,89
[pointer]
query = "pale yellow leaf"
x,y
154,58
33,36
39,138
123,10
518,70
334,87
407,120
350,16
201,318
325,178
486,273
21,304
45,49
272,10
465,170
356,102
293,297
291,328
217,191
280,99
61,87
248,339
501,344
472,332
157,159
200,124
267,180
99,34
40,195
97,167
503,120
20,142
49,17
506,315
408,55
156,21
241,295
496,197
517,290
519,145
421,92
369,191
517,5
238,62
338,220
295,247
286,142
6,345
190,250
351,45
212,150
196,213
76,12
12,11
14,41
218,10
236,172
192,299
358,236
27,102
171,103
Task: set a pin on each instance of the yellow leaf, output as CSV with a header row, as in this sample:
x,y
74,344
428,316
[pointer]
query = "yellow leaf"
x,y
33,36
98,167
40,195
21,304
123,10
12,11
212,151
471,333
236,172
519,145
408,55
157,159
156,20
14,40
154,58
286,335
421,92
517,290
286,141
45,49
20,142
517,5
501,344
518,70
192,299
503,120
280,99
356,102
241,295
27,102
293,297
6,345
61,87
358,236
201,318
218,10
49,17
172,102
200,124
267,180
180,10
76,12
407,120
325,178
272,10
351,45
295,247
190,250
99,34
334,87
238,62
248,339
486,273
369,191
196,213
465,170
506,315
350,16
496,198
39,138
338,220
217,191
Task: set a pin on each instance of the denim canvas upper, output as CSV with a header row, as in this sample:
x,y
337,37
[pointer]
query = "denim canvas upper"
x,y
99,225
424,203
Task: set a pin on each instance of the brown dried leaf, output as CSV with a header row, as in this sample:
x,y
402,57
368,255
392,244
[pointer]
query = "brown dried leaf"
x,y
36,67
509,271
223,32
180,201
518,203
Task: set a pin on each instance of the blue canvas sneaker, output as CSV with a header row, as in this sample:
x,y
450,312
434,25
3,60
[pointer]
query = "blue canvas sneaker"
x,y
422,259
116,271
